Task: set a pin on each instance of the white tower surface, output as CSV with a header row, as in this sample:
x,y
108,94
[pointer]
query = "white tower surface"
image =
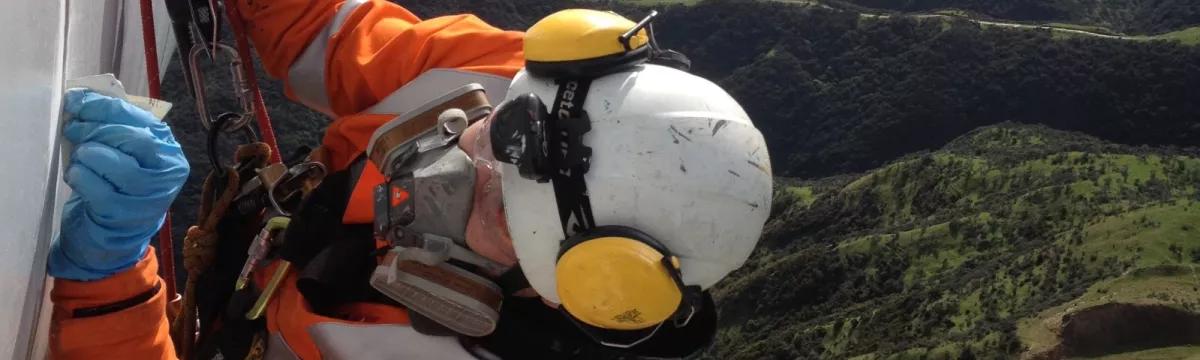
x,y
47,42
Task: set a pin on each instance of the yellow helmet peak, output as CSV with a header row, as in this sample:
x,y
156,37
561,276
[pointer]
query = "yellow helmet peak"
x,y
580,34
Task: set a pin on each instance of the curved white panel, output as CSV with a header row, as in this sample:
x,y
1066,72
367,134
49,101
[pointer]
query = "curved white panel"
x,y
50,41
32,71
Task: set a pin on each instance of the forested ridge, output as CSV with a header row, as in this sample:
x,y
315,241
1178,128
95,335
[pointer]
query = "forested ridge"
x,y
907,222
1127,16
837,93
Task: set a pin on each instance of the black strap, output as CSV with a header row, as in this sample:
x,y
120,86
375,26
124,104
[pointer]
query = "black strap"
x,y
340,273
569,157
117,306
318,223
513,280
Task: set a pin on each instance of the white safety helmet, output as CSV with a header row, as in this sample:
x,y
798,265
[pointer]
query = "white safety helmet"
x,y
672,156
628,187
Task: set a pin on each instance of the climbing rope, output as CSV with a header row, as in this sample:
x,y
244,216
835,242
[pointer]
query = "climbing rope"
x,y
166,244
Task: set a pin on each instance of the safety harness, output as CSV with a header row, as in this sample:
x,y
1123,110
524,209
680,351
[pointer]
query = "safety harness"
x,y
259,208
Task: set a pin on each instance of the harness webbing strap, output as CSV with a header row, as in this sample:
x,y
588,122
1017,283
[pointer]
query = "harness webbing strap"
x,y
166,244
265,130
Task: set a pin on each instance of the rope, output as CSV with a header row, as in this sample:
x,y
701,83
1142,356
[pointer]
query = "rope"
x,y
166,245
260,108
200,243
199,252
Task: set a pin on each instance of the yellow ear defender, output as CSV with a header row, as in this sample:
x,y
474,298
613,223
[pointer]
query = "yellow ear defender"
x,y
620,285
616,283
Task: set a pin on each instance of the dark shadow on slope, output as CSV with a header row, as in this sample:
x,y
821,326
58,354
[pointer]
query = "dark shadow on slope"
x,y
1116,328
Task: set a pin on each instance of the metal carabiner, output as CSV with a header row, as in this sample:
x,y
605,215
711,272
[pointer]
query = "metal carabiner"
x,y
299,180
241,87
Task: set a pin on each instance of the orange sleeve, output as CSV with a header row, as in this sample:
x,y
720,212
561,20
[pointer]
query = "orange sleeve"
x,y
137,332
378,48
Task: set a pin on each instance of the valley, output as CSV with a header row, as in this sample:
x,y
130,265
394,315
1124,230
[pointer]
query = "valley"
x,y
952,184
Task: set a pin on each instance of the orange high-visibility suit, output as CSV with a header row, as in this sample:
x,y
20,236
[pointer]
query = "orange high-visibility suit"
x,y
362,62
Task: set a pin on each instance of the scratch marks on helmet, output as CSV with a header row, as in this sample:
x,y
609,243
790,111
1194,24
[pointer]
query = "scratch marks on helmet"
x,y
676,134
758,166
757,161
720,124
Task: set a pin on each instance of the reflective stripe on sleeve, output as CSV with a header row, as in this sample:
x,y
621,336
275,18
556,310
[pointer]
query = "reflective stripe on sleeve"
x,y
306,76
361,341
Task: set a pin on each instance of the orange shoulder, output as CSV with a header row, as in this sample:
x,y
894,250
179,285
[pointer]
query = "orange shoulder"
x,y
369,48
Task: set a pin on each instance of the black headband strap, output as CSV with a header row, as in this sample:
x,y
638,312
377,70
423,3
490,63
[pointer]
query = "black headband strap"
x,y
569,157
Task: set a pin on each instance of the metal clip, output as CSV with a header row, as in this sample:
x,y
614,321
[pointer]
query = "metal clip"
x,y
241,87
206,22
258,250
260,247
299,180
272,285
278,186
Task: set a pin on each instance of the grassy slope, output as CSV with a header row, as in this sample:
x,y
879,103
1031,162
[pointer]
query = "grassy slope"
x,y
1011,225
1189,36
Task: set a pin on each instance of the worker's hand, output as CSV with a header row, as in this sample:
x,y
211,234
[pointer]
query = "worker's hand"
x,y
125,170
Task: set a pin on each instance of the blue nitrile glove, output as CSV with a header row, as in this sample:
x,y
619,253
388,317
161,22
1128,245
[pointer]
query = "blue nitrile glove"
x,y
125,171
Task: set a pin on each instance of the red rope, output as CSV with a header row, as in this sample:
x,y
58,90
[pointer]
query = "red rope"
x,y
166,245
260,108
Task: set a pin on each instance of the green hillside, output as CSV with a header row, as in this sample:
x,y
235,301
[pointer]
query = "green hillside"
x,y
967,251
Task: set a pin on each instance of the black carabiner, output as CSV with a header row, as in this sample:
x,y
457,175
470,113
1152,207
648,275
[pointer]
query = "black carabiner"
x,y
214,134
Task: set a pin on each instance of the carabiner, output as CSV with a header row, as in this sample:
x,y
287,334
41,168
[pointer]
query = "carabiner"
x,y
241,87
214,136
299,180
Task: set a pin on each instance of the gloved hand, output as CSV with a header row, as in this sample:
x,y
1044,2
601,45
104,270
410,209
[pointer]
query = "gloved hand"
x,y
125,171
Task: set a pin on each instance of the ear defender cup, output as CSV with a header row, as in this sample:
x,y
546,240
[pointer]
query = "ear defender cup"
x,y
616,278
